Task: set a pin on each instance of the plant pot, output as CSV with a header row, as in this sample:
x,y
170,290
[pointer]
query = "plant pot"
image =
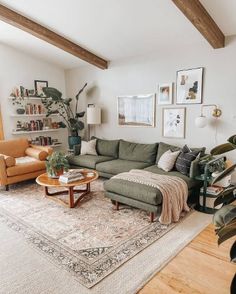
x,y
20,111
74,140
56,173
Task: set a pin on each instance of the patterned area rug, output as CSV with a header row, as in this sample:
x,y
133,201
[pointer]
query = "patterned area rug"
x,y
90,241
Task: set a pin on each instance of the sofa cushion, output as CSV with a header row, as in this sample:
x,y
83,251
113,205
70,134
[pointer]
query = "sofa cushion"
x,y
118,166
108,147
88,147
88,161
25,168
37,154
137,152
190,182
163,147
14,148
135,191
184,160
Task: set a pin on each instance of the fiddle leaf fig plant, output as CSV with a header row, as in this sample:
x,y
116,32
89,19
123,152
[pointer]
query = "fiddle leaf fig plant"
x,y
67,108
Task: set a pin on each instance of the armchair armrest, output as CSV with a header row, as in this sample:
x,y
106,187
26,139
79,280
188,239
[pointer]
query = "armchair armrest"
x,y
47,149
3,173
37,154
9,160
194,168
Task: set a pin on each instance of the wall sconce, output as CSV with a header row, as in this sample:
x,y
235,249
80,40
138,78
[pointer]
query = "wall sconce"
x,y
201,121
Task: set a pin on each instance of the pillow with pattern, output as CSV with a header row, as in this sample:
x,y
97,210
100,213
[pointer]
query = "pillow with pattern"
x,y
185,159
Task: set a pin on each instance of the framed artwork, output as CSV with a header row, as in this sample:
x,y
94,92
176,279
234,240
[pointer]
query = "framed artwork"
x,y
39,85
165,94
173,122
136,111
189,86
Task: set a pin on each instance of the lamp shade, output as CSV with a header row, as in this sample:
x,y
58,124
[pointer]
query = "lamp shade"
x,y
201,121
93,115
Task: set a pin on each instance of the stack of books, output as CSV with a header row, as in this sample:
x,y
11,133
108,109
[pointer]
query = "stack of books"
x,y
213,190
71,176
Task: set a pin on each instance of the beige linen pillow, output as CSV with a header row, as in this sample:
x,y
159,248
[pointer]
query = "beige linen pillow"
x,y
167,160
88,147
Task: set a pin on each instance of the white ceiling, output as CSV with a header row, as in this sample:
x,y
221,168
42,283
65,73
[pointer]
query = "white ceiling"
x,y
112,29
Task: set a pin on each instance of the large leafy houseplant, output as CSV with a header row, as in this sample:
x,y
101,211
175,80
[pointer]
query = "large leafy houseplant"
x,y
56,164
67,108
225,223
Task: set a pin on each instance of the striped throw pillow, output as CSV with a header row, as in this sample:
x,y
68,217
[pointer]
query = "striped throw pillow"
x,y
185,159
167,160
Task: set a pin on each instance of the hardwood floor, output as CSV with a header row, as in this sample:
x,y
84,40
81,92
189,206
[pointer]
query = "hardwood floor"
x,y
200,268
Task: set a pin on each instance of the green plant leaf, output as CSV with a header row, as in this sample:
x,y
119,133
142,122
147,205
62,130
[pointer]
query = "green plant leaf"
x,y
53,93
80,114
233,252
233,285
67,101
227,232
80,125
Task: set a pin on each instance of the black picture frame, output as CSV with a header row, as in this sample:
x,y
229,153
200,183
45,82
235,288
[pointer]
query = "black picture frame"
x,y
38,84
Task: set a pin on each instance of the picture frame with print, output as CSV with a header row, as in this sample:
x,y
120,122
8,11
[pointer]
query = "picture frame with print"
x,y
173,122
165,94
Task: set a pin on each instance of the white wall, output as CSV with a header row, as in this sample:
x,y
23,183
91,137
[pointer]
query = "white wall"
x,y
17,69
142,75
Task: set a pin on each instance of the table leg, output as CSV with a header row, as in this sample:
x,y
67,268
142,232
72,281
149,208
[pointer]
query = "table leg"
x,y
71,197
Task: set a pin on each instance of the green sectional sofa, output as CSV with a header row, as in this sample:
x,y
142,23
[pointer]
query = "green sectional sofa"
x,y
117,156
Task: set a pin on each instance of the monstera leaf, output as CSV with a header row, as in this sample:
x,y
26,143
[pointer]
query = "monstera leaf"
x,y
227,232
80,114
53,93
233,252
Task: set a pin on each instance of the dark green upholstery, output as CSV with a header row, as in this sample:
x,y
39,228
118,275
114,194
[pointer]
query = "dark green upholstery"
x,y
139,192
88,161
137,152
190,182
119,166
163,147
108,147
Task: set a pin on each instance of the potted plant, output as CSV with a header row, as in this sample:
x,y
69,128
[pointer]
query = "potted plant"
x,y
56,164
225,223
67,108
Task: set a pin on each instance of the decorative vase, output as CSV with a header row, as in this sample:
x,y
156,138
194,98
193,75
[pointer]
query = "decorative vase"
x,y
74,140
20,111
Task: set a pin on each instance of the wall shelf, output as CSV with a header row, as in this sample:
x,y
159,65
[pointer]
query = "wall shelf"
x,y
31,115
31,132
30,98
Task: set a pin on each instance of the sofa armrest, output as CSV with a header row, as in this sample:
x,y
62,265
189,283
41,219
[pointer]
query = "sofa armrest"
x,y
37,154
194,168
47,149
3,173
9,160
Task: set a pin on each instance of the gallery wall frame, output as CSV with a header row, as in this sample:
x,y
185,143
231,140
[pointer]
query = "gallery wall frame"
x,y
189,86
165,94
136,110
174,122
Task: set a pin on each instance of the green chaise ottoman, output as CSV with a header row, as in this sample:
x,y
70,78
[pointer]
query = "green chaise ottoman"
x,y
134,194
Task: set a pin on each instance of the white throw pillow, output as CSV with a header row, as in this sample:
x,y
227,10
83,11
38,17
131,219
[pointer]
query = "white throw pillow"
x,y
88,147
167,160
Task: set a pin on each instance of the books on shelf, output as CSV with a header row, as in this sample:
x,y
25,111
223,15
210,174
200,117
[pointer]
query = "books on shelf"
x,y
71,176
213,190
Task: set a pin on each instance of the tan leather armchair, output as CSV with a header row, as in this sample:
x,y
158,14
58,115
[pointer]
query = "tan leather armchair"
x,y
20,161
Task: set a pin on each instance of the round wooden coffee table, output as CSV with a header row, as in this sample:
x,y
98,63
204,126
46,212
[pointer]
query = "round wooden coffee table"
x,y
47,182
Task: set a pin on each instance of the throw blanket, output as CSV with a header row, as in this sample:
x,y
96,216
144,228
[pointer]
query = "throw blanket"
x,y
174,191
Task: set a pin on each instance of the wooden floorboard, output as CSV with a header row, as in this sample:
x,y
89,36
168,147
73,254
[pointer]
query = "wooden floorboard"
x,y
200,268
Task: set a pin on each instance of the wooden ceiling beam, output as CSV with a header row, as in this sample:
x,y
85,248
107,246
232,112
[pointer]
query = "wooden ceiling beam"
x,y
17,20
201,19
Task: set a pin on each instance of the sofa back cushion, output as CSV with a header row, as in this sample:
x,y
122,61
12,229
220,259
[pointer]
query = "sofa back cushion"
x,y
137,152
163,147
108,147
15,148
